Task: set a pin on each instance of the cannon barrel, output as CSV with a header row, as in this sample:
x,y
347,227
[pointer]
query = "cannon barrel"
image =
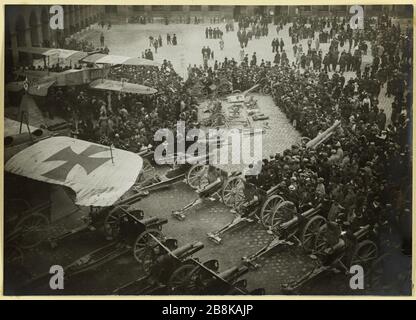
x,y
307,215
233,273
153,220
359,234
130,200
323,136
188,249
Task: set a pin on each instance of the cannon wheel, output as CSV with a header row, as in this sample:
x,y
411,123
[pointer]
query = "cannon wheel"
x,y
311,231
283,212
365,253
233,192
31,230
198,277
197,176
179,280
143,243
266,89
13,209
268,208
112,223
13,255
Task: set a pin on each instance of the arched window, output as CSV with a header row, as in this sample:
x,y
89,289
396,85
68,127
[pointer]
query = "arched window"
x,y
44,18
33,24
20,29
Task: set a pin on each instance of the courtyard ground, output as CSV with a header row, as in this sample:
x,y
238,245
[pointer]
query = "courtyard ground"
x,y
285,265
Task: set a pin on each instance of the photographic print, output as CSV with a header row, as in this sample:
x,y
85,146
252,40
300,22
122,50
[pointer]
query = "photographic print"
x,y
167,150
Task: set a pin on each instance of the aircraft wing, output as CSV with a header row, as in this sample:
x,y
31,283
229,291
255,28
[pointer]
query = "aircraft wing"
x,y
121,86
99,176
40,88
100,58
59,53
12,127
15,86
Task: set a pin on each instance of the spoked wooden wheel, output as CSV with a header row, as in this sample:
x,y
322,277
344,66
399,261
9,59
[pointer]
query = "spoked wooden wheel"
x,y
311,230
266,89
13,254
233,192
199,278
112,223
320,242
146,258
13,209
149,239
268,208
32,230
179,282
197,176
283,212
365,253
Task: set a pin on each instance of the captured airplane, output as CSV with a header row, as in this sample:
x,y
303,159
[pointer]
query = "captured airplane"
x,y
38,82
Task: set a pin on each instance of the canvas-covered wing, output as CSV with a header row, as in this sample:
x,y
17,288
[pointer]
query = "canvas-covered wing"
x,y
14,86
41,88
59,53
105,84
99,176
100,58
12,127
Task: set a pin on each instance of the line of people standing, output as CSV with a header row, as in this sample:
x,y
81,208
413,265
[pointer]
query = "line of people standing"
x,y
213,33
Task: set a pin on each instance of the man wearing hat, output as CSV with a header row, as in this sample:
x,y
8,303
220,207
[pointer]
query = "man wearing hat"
x,y
320,189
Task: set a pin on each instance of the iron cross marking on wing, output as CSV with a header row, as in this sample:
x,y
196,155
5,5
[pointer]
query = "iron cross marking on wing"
x,y
71,159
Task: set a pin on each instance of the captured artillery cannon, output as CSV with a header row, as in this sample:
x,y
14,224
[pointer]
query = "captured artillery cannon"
x,y
258,205
183,164
131,233
159,259
173,270
27,225
340,252
204,279
209,182
320,138
239,97
290,228
102,219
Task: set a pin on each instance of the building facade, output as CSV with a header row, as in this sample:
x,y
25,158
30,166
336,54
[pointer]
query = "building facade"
x,y
29,25
206,11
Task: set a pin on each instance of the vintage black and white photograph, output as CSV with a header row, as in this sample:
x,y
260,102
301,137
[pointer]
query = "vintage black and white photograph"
x,y
203,150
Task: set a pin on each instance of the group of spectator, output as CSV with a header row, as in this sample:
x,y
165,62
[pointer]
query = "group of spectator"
x,y
363,171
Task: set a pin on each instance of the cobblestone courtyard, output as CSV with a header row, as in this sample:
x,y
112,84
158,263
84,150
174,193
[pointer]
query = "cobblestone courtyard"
x,y
287,263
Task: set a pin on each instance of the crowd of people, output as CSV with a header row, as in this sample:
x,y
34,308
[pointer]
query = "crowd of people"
x,y
213,33
129,121
363,171
144,19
